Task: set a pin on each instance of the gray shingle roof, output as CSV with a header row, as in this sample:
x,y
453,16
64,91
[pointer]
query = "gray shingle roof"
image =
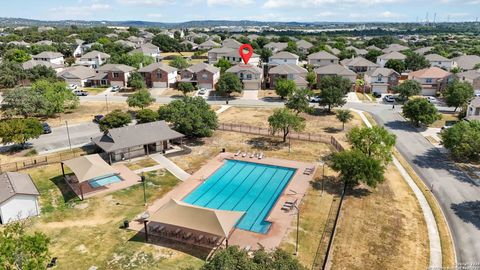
x,y
12,184
77,72
436,58
335,69
33,63
231,43
467,62
287,69
284,55
395,48
203,66
135,135
242,67
423,50
155,66
358,62
304,44
470,74
381,71
393,56
322,55
116,67
95,54
48,55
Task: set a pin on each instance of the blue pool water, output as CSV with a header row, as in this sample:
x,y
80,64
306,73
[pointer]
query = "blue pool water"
x,y
103,181
243,186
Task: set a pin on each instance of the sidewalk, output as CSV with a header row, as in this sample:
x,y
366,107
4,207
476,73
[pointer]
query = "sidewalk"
x,y
222,109
170,166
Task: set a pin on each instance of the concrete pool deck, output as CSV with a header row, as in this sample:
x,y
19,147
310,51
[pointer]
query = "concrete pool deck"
x,y
281,220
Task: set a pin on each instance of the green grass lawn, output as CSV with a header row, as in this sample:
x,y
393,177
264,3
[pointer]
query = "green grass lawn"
x,y
446,117
143,163
94,90
87,233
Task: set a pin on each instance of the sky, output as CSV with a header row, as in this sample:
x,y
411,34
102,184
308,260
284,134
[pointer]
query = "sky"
x,y
261,10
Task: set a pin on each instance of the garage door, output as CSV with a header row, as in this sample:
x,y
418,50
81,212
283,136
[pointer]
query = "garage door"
x,y
251,85
159,84
116,83
429,92
381,89
205,85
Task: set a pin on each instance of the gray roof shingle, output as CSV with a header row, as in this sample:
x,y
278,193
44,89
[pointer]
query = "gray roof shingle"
x,y
12,184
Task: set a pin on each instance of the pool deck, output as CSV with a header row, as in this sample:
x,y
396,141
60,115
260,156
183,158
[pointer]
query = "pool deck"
x,y
281,220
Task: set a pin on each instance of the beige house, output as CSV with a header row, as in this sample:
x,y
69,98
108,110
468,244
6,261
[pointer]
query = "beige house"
x,y
437,60
432,79
473,110
203,75
359,64
471,76
322,58
467,62
208,45
335,69
303,46
381,80
250,75
383,59
288,72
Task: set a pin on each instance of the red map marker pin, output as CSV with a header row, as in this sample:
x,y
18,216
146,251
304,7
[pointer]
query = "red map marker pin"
x,y
245,56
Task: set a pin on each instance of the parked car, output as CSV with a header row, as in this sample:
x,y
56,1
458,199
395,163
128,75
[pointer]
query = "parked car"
x,y
389,98
202,91
115,88
46,128
449,124
72,86
376,94
315,99
97,118
431,99
80,93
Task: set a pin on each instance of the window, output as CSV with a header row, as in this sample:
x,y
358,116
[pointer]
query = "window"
x,y
379,78
331,61
241,75
205,76
249,76
284,60
116,75
159,75
477,111
429,80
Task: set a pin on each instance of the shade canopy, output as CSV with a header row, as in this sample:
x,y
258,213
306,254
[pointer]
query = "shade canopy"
x,y
212,221
90,167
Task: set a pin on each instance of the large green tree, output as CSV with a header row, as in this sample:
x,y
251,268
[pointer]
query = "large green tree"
x,y
41,72
375,142
229,83
185,87
223,64
191,116
20,130
179,62
372,55
140,99
57,96
11,73
24,102
463,140
344,116
16,55
20,249
136,81
146,116
114,119
311,78
408,88
420,112
299,100
167,44
332,91
458,94
134,60
285,88
396,64
265,54
285,121
415,61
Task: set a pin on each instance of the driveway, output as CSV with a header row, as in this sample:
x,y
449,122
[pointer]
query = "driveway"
x,y
457,194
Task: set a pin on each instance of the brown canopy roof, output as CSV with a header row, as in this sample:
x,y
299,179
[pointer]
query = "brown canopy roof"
x,y
89,167
212,221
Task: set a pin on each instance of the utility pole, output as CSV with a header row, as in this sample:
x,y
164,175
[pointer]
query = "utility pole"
x,y
68,135
106,102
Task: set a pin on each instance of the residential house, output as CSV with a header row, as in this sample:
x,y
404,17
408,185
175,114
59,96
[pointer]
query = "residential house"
x,y
232,55
432,79
473,110
322,58
159,75
231,43
467,62
334,51
19,43
276,46
137,140
471,76
288,72
137,40
424,50
281,58
437,60
93,59
112,35
52,57
253,37
383,59
359,64
335,69
18,197
250,75
381,80
78,47
44,28
33,63
303,46
189,45
373,47
203,75
395,48
126,43
361,52
117,74
148,49
78,75
208,45
44,43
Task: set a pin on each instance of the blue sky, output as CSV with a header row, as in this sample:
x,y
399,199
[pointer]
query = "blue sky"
x,y
263,10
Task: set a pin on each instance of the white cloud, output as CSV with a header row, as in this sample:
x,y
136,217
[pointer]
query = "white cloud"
x,y
235,3
155,15
390,15
316,3
145,2
79,11
326,14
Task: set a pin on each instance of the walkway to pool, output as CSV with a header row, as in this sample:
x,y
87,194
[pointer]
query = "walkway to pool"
x,y
281,220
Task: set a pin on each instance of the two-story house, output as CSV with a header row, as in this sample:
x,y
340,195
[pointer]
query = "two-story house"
x,y
359,64
473,110
52,57
203,75
276,46
288,72
282,58
432,79
232,55
115,74
208,45
303,46
471,76
383,59
231,43
361,52
335,70
93,59
395,48
148,49
437,60
381,80
159,75
467,62
250,75
322,58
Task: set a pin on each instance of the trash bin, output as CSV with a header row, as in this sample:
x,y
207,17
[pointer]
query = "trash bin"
x,y
125,224
223,150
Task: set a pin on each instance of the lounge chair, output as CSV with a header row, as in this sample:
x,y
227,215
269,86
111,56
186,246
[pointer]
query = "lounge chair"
x,y
247,248
213,240
244,154
187,235
176,232
160,229
260,156
199,238
238,153
254,154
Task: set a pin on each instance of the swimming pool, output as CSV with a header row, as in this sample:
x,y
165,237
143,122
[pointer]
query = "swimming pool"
x,y
104,180
243,186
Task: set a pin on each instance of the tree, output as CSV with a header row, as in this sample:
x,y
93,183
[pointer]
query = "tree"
x,y
41,72
374,142
229,83
311,78
395,64
16,55
135,60
186,87
408,88
299,100
458,94
463,140
355,167
284,87
223,64
477,66
344,116
332,91
114,119
284,120
372,55
146,116
10,74
420,111
136,81
57,96
22,250
20,130
179,62
235,258
167,44
265,54
415,61
23,102
191,116
140,99
292,47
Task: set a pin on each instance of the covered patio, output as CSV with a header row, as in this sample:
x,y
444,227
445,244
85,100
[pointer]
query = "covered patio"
x,y
92,175
191,224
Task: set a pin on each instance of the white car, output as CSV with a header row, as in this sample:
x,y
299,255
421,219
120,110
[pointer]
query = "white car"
x,y
72,86
389,98
431,99
315,99
202,91
80,92
115,88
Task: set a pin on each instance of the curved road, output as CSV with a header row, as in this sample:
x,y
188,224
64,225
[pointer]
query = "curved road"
x,y
457,194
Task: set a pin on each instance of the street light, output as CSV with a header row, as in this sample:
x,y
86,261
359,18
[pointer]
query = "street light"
x,y
106,102
298,223
144,189
68,135
145,217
